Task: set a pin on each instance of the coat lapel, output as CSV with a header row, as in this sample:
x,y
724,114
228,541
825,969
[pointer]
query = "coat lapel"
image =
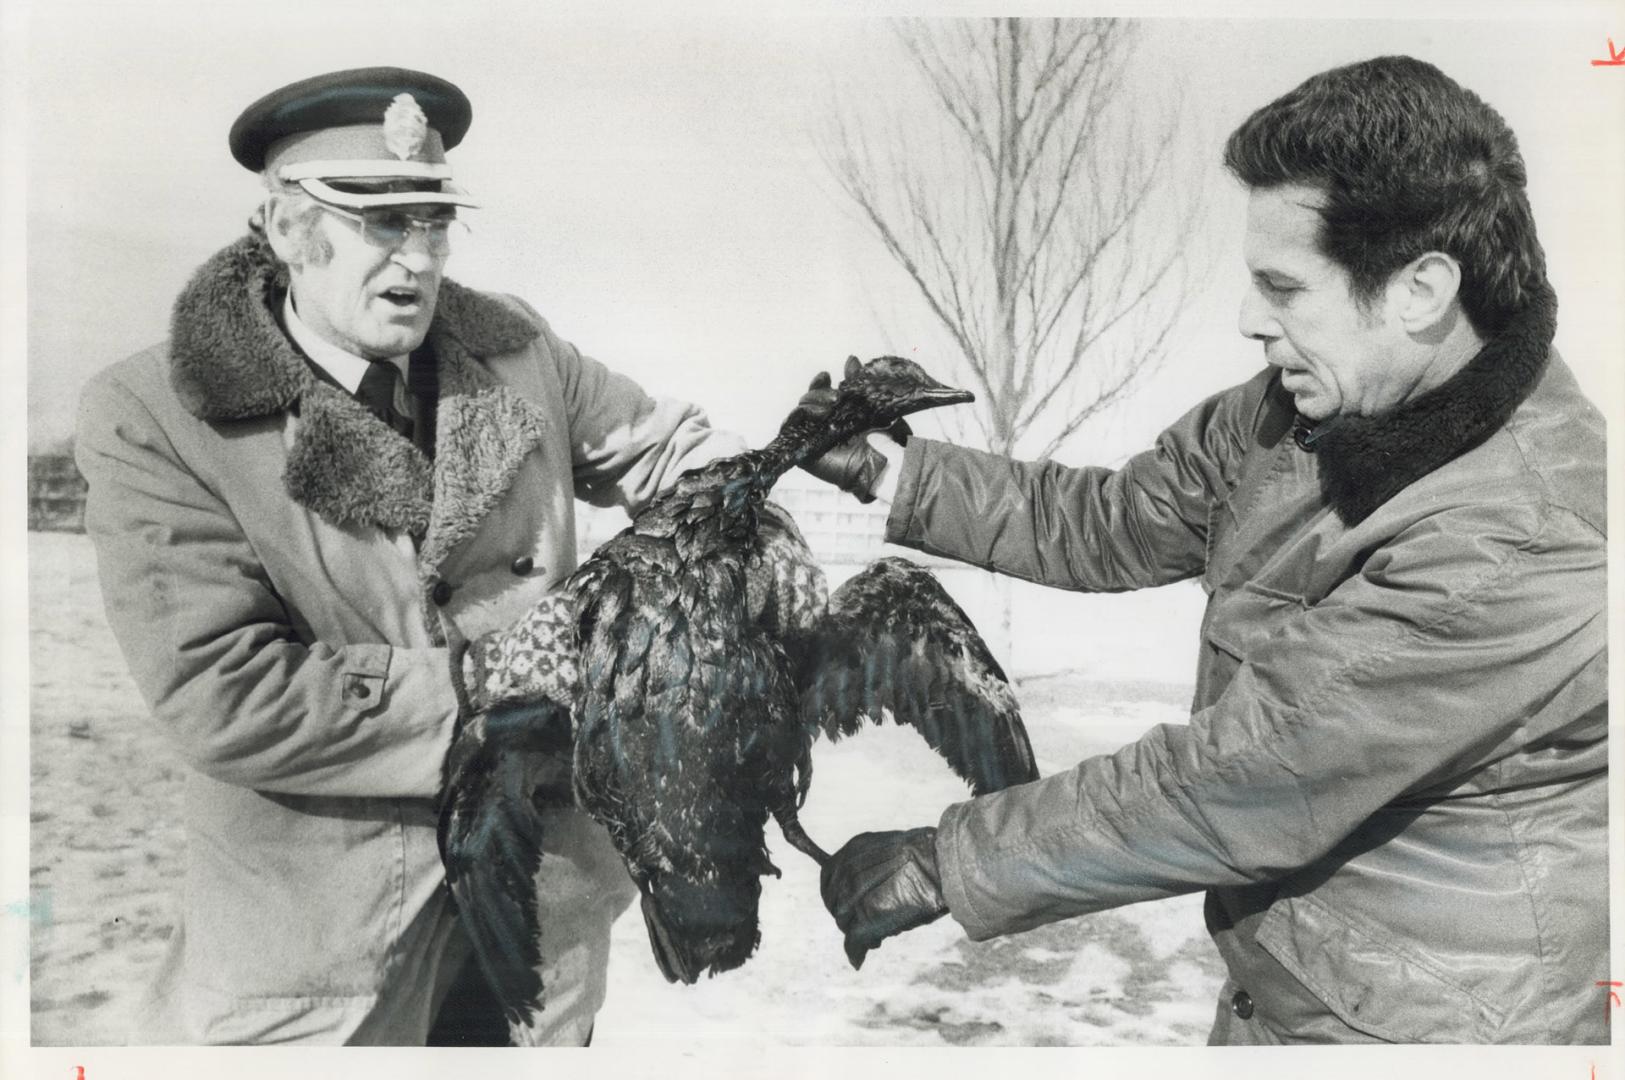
x,y
483,434
352,469
231,361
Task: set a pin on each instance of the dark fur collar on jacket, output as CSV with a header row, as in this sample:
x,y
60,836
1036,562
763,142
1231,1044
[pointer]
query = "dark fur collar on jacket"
x,y
230,361
1366,460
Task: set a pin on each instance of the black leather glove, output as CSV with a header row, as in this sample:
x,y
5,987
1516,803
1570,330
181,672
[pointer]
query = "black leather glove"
x,y
880,884
853,466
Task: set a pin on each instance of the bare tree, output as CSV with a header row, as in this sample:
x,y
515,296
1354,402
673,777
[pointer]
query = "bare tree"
x,y
1037,210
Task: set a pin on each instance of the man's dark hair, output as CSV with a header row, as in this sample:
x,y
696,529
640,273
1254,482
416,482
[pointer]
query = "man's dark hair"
x,y
1409,162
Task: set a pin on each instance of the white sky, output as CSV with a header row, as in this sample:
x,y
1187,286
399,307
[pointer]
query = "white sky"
x,y
654,188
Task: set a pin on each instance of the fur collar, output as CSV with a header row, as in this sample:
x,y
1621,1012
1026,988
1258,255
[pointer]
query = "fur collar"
x,y
1366,460
230,361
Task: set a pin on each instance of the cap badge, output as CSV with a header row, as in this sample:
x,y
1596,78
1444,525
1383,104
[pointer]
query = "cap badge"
x,y
406,129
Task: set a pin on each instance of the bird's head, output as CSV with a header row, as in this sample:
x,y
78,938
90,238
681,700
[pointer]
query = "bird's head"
x,y
871,397
888,388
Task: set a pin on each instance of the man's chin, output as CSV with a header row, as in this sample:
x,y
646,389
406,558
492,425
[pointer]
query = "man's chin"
x,y
1312,407
384,346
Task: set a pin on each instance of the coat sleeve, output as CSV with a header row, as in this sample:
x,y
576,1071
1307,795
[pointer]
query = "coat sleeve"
x,y
1092,529
627,447
1473,633
211,646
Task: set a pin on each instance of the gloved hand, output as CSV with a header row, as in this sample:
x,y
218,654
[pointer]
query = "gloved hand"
x,y
880,884
535,658
853,466
514,729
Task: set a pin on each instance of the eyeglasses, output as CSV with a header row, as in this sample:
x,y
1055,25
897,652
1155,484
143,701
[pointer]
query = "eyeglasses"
x,y
391,228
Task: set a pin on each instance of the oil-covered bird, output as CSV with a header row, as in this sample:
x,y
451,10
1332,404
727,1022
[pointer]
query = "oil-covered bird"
x,y
710,657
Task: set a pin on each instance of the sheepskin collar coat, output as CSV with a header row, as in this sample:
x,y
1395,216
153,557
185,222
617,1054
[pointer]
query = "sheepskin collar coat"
x,y
284,573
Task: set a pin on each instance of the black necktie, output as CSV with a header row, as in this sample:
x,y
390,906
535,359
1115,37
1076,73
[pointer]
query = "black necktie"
x,y
377,393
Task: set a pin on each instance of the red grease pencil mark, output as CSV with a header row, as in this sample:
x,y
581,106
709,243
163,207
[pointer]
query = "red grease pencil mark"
x,y
1613,998
1615,59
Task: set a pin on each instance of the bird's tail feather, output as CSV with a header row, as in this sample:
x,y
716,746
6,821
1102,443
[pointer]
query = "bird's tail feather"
x,y
699,927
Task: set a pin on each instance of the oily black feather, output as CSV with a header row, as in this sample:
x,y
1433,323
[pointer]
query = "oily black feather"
x,y
689,729
894,642
504,765
786,590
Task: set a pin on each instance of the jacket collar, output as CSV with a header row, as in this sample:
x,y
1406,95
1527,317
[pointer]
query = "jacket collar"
x,y
231,361
1366,460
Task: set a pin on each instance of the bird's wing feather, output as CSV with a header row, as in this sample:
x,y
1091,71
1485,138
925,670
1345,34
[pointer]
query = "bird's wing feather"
x,y
503,767
893,640
785,587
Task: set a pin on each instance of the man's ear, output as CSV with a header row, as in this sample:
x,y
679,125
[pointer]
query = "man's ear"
x,y
1428,288
280,228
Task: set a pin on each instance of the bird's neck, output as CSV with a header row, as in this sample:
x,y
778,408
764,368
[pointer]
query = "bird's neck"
x,y
803,438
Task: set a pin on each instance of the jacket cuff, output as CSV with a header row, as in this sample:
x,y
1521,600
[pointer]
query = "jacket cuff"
x,y
951,875
901,518
467,671
427,714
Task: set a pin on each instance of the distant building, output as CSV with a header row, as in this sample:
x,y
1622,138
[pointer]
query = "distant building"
x,y
56,494
844,534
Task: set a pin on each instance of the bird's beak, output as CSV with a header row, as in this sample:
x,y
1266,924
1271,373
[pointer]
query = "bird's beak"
x,y
938,396
949,395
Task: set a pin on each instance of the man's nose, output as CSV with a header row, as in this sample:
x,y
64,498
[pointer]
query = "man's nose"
x,y
413,254
1255,320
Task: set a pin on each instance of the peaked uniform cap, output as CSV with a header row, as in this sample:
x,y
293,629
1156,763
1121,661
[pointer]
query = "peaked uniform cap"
x,y
358,138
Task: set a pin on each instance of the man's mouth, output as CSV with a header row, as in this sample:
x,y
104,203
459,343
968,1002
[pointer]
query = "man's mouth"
x,y
401,296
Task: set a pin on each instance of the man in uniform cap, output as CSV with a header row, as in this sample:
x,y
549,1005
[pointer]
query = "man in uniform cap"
x,y
340,471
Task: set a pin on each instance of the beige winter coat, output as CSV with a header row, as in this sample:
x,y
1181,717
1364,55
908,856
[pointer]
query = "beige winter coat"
x,y
255,532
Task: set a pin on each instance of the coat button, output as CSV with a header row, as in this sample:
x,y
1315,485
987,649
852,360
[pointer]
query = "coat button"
x,y
523,565
359,690
440,593
1242,1004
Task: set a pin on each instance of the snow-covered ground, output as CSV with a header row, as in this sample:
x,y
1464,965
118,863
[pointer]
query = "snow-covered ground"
x,y
105,846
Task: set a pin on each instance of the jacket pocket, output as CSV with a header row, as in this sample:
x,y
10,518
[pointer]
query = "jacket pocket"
x,y
1236,621
291,896
1242,617
1373,986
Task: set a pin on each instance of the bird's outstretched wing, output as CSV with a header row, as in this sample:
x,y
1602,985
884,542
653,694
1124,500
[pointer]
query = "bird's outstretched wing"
x,y
893,640
503,767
